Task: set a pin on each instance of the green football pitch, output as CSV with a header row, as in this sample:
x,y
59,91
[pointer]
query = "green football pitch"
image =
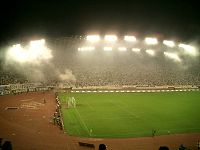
x,y
131,114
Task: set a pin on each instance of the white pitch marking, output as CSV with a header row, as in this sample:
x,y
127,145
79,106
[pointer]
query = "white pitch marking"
x,y
24,100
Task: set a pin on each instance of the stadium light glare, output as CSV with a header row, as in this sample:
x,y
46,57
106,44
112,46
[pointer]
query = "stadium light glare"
x,y
110,38
122,49
173,56
35,52
17,46
17,53
37,43
188,49
86,48
39,53
42,41
38,50
169,43
151,41
135,49
129,38
21,57
107,48
93,38
150,52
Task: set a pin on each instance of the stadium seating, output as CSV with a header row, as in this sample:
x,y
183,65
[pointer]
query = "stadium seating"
x,y
114,68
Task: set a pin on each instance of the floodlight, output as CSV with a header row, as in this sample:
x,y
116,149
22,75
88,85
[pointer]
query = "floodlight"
x,y
135,49
122,48
107,48
93,38
151,41
110,38
169,43
86,48
173,56
191,50
188,48
150,52
130,38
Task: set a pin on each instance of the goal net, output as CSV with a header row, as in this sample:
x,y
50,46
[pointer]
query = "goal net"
x,y
71,102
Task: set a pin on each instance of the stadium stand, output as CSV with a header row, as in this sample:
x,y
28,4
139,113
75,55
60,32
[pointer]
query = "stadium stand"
x,y
120,75
98,68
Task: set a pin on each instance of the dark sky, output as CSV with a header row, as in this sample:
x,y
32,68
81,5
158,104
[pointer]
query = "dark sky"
x,y
24,19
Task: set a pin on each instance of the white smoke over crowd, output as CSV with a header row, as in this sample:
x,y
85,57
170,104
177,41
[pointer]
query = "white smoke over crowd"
x,y
34,63
43,71
37,72
67,76
37,62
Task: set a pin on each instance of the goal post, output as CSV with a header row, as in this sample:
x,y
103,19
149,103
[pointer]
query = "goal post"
x,y
71,102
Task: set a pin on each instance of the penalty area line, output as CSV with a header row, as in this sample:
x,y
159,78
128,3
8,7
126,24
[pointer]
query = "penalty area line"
x,y
24,100
85,126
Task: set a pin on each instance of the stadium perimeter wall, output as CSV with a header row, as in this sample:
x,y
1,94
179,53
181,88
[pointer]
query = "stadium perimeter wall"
x,y
24,88
136,89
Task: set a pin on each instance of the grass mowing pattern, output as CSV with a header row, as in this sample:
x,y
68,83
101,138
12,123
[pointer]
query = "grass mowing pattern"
x,y
131,114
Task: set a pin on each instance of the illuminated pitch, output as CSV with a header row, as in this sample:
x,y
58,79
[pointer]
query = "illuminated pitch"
x,y
93,38
143,112
110,38
151,41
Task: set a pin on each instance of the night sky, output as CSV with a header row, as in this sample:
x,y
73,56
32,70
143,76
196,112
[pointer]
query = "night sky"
x,y
23,19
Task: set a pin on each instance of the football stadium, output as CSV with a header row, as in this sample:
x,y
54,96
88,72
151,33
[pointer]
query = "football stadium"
x,y
124,91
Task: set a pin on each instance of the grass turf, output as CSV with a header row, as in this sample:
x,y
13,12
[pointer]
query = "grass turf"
x,y
131,114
